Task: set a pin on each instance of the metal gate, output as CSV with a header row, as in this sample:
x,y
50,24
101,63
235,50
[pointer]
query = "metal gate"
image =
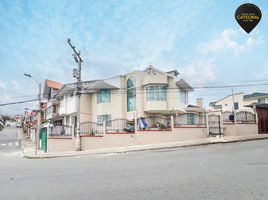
x,y
43,138
262,120
215,125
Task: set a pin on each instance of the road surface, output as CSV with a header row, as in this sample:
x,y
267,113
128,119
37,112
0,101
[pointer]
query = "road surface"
x,y
8,140
237,171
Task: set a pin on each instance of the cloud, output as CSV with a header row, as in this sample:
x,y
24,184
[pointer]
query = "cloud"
x,y
2,85
200,71
230,39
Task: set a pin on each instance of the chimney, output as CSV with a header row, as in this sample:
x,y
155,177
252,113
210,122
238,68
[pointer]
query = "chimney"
x,y
200,102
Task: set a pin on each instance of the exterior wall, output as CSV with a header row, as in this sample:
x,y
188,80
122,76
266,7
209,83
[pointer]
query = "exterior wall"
x,y
60,144
240,129
155,79
113,108
67,105
138,75
85,108
145,107
173,97
143,137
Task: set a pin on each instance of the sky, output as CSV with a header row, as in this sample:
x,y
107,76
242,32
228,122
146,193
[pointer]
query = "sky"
x,y
200,38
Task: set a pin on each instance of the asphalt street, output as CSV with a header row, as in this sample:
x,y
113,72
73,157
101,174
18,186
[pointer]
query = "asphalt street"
x,y
223,171
8,140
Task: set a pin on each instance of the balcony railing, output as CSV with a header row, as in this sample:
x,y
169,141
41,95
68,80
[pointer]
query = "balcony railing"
x,y
189,119
60,131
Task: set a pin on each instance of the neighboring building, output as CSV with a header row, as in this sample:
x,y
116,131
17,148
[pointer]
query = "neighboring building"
x,y
238,102
229,103
144,93
256,98
52,106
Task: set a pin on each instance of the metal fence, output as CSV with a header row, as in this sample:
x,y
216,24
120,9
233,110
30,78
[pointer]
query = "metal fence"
x,y
91,128
245,117
61,131
119,126
242,117
226,116
189,119
161,123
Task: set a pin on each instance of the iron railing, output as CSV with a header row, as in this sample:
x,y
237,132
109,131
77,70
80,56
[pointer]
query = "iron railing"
x,y
189,119
226,116
245,117
91,128
61,131
119,126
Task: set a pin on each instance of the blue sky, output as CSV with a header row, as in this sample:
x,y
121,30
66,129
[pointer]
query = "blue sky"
x,y
200,39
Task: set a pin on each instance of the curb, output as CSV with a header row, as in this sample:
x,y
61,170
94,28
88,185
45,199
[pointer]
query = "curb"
x,y
141,149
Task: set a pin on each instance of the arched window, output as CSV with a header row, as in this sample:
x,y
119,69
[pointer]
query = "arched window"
x,y
131,94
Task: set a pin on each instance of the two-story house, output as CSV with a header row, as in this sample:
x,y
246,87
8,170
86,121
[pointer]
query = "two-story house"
x,y
137,94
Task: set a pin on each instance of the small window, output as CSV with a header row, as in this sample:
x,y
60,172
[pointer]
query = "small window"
x,y
226,104
236,106
104,96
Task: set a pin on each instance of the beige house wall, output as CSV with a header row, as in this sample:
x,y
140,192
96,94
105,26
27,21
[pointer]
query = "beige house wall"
x,y
144,107
85,108
240,129
58,144
227,103
113,108
147,137
143,137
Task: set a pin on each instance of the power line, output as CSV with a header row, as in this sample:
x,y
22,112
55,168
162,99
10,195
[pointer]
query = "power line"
x,y
18,102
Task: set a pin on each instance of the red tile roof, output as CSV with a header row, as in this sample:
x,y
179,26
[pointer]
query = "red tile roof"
x,y
54,84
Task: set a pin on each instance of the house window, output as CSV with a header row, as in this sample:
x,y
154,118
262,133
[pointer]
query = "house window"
x,y
236,106
183,97
103,118
156,93
104,96
131,94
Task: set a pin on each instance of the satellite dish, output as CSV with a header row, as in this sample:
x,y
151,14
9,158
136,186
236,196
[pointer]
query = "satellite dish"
x,y
231,117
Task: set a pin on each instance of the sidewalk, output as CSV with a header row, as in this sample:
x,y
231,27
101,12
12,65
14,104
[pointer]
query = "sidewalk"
x,y
28,148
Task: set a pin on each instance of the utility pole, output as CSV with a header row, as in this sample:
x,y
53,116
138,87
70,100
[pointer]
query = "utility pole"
x,y
233,107
77,75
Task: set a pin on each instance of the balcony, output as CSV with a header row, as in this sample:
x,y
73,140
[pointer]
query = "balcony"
x,y
155,106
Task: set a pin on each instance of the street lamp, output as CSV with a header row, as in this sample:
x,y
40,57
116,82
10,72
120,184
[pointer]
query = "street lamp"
x,y
39,111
